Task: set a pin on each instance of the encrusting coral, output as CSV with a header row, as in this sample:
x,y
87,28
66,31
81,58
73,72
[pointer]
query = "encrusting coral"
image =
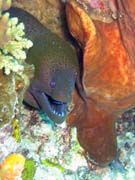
x,y
14,72
51,13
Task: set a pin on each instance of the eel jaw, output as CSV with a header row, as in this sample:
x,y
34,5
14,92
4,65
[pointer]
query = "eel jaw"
x,y
56,110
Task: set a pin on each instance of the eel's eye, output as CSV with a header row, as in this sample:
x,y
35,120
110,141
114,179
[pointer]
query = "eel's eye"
x,y
52,84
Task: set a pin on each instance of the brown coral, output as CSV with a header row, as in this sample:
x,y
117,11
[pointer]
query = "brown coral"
x,y
50,13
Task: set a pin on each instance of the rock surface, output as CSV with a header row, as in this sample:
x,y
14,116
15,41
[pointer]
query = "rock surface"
x,y
50,13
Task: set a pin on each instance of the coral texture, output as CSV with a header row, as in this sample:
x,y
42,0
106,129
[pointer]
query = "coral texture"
x,y
13,69
50,13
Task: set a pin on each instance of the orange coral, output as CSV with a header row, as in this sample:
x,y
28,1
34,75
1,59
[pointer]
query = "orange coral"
x,y
11,167
108,77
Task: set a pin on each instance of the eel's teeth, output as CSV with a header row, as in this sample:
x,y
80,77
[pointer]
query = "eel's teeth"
x,y
62,114
56,113
59,114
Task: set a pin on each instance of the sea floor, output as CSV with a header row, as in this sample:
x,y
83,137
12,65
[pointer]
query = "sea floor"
x,y
57,155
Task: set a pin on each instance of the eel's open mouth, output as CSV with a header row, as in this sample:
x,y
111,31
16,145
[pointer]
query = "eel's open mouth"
x,y
57,107
56,110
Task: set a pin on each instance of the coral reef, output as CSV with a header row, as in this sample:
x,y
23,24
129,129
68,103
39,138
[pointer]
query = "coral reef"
x,y
52,151
56,154
14,71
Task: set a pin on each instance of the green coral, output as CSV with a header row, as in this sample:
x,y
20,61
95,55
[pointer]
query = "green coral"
x,y
52,162
29,170
15,131
14,45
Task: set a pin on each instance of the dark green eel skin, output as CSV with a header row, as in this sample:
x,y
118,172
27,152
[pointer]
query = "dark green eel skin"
x,y
56,68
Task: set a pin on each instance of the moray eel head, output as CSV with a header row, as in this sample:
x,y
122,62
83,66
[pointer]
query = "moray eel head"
x,y
53,98
56,68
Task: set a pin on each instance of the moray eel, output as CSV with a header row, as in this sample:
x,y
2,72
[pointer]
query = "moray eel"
x,y
108,76
56,67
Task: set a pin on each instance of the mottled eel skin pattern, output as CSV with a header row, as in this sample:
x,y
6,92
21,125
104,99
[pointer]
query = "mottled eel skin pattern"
x,y
56,67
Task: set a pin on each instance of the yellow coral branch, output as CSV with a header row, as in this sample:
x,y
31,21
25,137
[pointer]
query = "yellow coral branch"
x,y
4,37
5,4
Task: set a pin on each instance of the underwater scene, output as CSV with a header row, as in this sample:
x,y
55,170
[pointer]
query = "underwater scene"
x,y
67,90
